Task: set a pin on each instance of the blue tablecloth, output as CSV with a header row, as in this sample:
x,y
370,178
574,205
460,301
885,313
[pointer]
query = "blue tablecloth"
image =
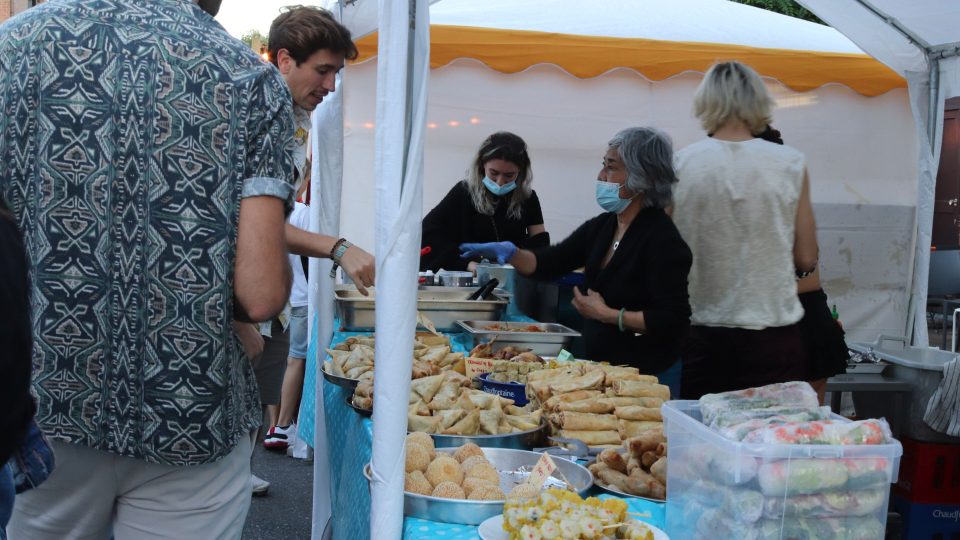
x,y
350,443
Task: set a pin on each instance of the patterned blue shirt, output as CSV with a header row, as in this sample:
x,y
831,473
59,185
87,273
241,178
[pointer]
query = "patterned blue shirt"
x,y
129,132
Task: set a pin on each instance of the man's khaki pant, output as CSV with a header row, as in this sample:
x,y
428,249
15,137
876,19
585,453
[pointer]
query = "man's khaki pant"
x,y
93,495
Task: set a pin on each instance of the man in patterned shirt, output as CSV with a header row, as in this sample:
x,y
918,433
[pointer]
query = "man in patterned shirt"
x,y
146,157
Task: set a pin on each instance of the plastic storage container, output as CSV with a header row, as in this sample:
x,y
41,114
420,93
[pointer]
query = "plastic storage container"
x,y
720,489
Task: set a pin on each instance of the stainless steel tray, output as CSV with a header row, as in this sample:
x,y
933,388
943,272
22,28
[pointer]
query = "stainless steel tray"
x,y
520,440
597,482
514,467
547,343
442,305
350,384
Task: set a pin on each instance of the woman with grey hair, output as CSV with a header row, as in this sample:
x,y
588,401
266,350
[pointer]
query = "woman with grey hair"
x,y
635,263
743,205
494,203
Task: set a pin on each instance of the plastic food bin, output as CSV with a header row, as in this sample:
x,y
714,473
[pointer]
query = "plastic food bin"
x,y
721,489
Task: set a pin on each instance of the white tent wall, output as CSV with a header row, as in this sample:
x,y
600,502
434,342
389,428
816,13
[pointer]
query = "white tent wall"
x,y
861,156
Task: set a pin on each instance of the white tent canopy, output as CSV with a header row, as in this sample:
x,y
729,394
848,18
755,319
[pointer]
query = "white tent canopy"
x,y
919,39
860,155
860,149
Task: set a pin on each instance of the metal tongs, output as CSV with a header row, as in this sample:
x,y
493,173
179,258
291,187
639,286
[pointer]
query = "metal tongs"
x,y
570,448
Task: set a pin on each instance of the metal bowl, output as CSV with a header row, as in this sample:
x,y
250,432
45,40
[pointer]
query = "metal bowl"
x,y
363,412
514,467
350,384
519,440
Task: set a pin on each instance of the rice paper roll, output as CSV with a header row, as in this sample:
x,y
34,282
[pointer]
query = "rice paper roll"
x,y
851,528
737,424
587,421
796,395
788,477
591,438
829,504
862,432
639,413
867,472
727,469
640,389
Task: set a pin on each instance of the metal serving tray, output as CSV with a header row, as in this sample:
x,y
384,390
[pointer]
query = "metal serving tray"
x,y
518,440
442,305
547,343
514,467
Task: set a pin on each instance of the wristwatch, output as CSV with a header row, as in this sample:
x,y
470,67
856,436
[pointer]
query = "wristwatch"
x,y
336,254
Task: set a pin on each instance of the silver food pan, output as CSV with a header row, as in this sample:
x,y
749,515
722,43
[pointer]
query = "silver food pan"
x,y
514,467
546,343
519,440
442,305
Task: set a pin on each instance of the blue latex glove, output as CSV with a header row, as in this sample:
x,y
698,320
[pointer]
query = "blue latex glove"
x,y
502,252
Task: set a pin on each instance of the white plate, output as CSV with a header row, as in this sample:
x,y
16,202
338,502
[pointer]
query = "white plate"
x,y
492,529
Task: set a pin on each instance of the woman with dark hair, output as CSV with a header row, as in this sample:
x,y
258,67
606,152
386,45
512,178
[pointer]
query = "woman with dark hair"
x,y
494,203
635,263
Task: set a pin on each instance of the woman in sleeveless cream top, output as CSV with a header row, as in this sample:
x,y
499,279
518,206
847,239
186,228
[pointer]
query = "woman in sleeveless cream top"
x,y
743,207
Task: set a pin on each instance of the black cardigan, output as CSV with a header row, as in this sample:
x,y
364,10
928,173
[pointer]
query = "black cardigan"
x,y
647,272
455,220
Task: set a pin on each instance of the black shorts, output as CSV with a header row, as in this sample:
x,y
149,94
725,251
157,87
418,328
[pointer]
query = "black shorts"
x,y
824,346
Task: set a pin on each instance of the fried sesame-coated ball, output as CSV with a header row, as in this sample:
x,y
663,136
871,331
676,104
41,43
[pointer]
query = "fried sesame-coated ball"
x,y
523,491
416,482
466,451
423,439
487,493
485,472
470,484
444,469
418,458
448,490
468,463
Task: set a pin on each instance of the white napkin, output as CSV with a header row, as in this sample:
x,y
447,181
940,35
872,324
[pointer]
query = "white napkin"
x,y
943,409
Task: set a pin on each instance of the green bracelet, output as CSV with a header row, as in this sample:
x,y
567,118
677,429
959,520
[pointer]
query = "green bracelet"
x,y
620,319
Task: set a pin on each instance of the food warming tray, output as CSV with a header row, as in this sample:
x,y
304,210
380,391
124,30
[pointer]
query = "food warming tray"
x,y
551,338
442,305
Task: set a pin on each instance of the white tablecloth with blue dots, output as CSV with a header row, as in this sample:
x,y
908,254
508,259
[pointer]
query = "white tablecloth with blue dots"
x,y
350,442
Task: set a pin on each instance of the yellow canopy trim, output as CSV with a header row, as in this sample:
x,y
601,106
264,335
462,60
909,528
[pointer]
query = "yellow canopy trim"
x,y
512,51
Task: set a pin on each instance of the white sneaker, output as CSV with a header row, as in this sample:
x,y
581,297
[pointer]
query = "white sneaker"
x,y
260,486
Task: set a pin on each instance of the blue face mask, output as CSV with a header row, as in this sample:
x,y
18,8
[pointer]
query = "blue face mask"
x,y
497,189
608,197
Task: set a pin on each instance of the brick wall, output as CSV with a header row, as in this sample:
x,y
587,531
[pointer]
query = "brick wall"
x,y
5,10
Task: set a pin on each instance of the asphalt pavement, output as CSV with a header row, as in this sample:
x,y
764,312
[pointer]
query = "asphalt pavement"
x,y
284,513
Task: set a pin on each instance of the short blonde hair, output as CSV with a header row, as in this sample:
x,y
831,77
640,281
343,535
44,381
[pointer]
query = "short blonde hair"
x,y
731,90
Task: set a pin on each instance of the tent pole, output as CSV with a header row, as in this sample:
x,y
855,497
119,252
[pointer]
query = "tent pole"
x,y
933,106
